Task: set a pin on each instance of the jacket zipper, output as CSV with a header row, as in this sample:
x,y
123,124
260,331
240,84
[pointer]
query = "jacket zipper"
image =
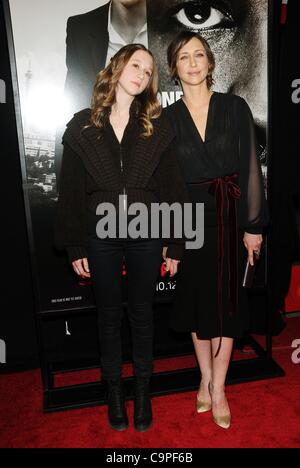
x,y
122,177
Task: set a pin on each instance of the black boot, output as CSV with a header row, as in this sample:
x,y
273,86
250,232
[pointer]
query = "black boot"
x,y
142,405
117,415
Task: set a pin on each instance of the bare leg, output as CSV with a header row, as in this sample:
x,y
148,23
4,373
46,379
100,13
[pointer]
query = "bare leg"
x,y
220,366
204,357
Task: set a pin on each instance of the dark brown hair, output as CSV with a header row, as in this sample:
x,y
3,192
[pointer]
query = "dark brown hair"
x,y
104,95
180,41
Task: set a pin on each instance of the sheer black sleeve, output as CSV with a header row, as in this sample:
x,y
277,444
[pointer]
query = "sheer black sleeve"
x,y
171,189
253,211
70,221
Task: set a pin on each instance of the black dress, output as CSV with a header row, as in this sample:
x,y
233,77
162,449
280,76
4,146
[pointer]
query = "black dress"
x,y
224,173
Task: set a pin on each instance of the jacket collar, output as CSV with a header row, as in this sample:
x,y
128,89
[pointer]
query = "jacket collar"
x,y
94,150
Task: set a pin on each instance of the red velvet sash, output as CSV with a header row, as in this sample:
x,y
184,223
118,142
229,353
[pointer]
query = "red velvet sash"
x,y
226,191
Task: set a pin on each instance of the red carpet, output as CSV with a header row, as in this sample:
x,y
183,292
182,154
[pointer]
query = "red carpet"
x,y
292,300
264,413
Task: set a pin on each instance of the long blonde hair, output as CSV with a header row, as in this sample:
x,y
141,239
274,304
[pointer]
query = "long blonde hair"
x,y
104,94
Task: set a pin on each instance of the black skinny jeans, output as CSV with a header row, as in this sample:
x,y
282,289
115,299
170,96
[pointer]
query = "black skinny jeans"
x,y
142,258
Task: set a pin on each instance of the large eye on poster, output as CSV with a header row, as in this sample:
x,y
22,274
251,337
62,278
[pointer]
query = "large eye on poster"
x,y
60,46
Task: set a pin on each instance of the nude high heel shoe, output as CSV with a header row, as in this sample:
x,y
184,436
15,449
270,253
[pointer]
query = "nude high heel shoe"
x,y
221,421
202,406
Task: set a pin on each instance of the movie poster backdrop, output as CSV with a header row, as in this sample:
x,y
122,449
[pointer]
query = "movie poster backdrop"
x,y
60,46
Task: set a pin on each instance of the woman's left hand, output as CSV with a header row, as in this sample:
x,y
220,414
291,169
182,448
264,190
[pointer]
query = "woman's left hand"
x,y
172,266
252,243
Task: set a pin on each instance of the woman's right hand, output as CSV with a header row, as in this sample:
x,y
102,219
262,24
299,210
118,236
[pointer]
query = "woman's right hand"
x,y
172,266
81,267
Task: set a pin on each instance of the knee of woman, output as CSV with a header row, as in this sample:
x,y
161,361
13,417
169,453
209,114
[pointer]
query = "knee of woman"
x,y
140,313
110,315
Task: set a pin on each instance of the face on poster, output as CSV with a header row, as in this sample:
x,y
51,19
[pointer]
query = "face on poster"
x,y
237,33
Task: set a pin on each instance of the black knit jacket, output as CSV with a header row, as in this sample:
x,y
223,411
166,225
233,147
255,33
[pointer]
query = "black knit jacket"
x,y
91,174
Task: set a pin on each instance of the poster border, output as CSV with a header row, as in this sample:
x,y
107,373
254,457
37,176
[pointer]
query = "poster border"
x,y
22,159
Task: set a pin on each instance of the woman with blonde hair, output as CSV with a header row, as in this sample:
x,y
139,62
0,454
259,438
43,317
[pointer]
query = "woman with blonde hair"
x,y
120,152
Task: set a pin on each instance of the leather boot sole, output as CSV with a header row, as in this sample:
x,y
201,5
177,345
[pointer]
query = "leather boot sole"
x,y
119,427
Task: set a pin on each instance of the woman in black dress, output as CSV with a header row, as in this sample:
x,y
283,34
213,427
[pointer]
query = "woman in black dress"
x,y
216,150
120,152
